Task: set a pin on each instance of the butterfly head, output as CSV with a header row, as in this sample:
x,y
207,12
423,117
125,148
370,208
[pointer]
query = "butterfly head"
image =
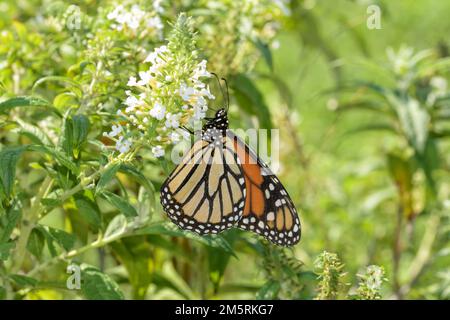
x,y
220,121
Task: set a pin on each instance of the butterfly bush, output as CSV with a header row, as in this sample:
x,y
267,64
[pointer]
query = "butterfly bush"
x,y
168,94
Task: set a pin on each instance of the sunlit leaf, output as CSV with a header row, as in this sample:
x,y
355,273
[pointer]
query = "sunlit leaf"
x,y
97,285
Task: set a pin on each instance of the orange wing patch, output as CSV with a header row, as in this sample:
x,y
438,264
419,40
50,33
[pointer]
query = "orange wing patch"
x,y
254,202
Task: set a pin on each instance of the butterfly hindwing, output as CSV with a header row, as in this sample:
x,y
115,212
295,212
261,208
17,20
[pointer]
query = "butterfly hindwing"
x,y
206,191
268,210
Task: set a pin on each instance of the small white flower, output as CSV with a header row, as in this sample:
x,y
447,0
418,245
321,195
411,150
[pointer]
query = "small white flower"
x,y
185,134
132,102
115,130
201,71
174,137
172,120
439,84
206,92
186,92
153,56
123,145
158,151
155,22
115,13
158,111
199,112
157,6
132,82
146,77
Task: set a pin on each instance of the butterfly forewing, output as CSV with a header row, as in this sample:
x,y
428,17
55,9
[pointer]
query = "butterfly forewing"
x,y
268,210
206,191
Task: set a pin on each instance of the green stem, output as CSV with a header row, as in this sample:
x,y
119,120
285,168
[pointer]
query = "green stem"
x,y
423,253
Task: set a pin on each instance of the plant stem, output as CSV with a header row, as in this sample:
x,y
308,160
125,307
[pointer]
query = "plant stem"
x,y
423,253
397,252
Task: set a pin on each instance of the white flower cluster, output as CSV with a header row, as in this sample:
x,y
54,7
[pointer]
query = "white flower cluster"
x,y
374,277
133,19
169,94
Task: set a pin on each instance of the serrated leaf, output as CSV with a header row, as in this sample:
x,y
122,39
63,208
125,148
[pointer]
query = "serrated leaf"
x,y
34,133
120,203
8,161
27,101
97,285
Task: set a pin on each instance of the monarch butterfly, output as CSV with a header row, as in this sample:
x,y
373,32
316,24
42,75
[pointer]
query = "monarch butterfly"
x,y
222,183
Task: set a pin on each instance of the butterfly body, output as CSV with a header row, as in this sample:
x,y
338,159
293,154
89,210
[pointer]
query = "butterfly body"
x,y
221,183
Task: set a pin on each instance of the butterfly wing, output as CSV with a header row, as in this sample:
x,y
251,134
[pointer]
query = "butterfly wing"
x,y
206,191
268,210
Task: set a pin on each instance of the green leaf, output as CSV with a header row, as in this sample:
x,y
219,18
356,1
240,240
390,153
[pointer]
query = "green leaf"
x,y
89,210
23,281
120,203
107,176
132,252
268,291
64,100
265,51
75,131
168,228
64,239
12,217
73,84
8,160
97,285
163,281
28,101
34,133
413,118
5,249
36,243
251,100
135,173
2,293
116,227
57,155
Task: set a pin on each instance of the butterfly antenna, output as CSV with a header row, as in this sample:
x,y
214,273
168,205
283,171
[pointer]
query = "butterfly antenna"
x,y
220,85
228,93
